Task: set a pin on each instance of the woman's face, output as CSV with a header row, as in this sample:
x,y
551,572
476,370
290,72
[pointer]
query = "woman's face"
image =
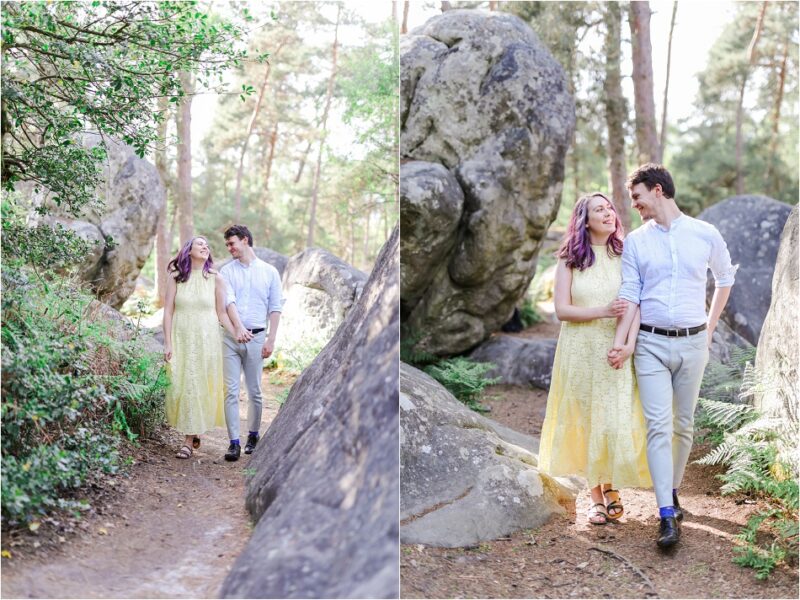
x,y
602,218
200,249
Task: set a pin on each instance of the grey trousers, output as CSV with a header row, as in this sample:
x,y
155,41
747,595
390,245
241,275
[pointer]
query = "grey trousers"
x,y
235,358
669,371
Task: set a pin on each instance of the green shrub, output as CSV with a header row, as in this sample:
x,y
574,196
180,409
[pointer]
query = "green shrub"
x,y
464,379
70,386
528,313
295,360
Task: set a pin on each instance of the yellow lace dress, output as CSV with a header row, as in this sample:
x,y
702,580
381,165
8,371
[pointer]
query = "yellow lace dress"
x,y
594,426
195,397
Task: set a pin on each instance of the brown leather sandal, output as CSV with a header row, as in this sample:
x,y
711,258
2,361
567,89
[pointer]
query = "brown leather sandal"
x,y
613,503
184,453
196,442
597,514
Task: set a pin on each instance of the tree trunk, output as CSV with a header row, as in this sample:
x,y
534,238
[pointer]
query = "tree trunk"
x,y
771,184
493,6
273,141
312,218
644,103
404,28
615,113
663,141
237,195
303,163
751,57
162,242
184,195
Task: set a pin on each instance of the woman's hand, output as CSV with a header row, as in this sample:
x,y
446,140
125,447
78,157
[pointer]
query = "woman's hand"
x,y
167,352
621,356
616,308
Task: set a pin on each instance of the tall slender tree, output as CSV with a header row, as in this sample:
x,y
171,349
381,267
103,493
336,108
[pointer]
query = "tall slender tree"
x,y
644,102
662,144
751,58
184,183
329,96
162,242
615,113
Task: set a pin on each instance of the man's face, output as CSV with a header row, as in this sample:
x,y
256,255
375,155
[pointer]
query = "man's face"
x,y
236,246
644,201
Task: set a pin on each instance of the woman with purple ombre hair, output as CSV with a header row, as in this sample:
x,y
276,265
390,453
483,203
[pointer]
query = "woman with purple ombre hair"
x,y
594,426
194,308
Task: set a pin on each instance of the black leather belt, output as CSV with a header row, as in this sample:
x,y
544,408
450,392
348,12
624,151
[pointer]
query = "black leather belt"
x,y
260,329
673,332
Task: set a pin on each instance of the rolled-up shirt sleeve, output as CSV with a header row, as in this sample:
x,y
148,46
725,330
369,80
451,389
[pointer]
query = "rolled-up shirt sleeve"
x,y
724,272
275,295
230,297
631,289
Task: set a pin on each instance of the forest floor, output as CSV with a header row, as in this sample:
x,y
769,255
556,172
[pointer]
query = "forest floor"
x,y
569,558
167,528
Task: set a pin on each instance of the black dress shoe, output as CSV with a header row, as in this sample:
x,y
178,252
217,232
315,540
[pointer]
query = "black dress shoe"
x,y
678,509
233,453
252,440
668,533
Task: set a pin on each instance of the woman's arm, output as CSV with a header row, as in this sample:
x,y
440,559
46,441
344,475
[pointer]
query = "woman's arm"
x,y
222,314
566,311
618,358
169,309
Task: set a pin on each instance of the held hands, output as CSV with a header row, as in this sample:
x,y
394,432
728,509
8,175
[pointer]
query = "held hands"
x,y
243,335
616,308
268,348
619,354
167,352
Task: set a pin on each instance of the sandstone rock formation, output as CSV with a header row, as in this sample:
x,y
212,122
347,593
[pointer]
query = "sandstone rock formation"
x,y
486,121
518,361
777,357
325,488
133,195
319,290
464,478
751,226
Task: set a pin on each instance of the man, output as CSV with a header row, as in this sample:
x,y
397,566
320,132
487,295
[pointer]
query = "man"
x,y
254,295
664,268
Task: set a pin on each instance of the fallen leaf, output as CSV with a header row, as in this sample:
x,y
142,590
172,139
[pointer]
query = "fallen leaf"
x,y
34,525
5,554
102,531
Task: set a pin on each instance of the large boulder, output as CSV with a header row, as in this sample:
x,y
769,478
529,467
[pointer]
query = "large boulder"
x,y
518,361
319,290
484,107
777,356
751,226
123,227
464,478
324,489
272,257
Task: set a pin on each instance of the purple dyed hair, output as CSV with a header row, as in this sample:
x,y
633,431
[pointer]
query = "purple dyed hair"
x,y
182,263
576,248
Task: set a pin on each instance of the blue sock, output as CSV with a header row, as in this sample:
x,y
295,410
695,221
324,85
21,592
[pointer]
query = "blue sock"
x,y
666,511
235,442
254,433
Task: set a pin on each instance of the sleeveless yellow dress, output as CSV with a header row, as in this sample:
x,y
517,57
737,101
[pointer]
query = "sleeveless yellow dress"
x,y
195,397
594,426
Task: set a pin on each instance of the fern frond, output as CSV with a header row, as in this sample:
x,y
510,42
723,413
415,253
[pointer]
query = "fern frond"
x,y
726,415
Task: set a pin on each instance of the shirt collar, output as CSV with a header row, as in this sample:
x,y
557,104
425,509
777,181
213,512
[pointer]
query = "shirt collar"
x,y
677,221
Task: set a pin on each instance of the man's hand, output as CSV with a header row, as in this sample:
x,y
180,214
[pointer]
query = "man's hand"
x,y
613,355
268,348
167,353
710,337
620,356
243,335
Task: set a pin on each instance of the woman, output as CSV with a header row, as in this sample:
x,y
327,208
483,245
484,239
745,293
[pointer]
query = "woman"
x,y
594,426
194,307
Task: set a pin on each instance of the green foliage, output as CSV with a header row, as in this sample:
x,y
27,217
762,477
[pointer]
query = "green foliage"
x,y
724,381
70,384
528,313
759,455
281,397
410,354
76,67
464,379
296,360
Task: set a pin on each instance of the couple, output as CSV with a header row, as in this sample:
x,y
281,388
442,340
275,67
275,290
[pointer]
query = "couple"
x,y
201,358
647,300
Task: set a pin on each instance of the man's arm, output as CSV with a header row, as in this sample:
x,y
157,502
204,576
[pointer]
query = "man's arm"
x,y
718,302
274,306
269,343
724,275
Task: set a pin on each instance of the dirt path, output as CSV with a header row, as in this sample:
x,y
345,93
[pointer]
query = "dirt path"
x,y
171,529
568,558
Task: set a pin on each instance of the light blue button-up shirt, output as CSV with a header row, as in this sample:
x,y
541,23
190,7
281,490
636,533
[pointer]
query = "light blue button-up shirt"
x,y
664,270
256,290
